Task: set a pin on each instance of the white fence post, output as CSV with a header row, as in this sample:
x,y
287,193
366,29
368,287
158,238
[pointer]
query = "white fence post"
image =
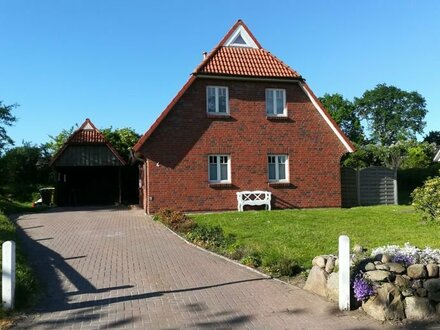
x,y
344,273
8,274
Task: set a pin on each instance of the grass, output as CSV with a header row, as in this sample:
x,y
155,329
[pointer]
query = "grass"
x,y
26,286
303,234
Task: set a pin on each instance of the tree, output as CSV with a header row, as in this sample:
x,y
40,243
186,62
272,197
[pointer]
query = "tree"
x,y
22,169
57,141
343,112
433,137
122,139
392,114
6,119
419,155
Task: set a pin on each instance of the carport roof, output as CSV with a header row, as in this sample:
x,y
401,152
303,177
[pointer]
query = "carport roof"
x,y
88,135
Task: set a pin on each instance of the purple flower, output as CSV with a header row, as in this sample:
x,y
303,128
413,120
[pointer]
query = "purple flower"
x,y
362,288
403,259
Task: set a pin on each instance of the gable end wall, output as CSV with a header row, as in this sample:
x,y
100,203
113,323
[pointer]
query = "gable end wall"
x,y
179,147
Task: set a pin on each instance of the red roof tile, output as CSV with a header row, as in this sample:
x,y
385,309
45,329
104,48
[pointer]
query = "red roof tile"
x,y
245,61
87,133
87,136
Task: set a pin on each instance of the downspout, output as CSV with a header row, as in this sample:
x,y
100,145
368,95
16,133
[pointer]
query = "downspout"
x,y
120,185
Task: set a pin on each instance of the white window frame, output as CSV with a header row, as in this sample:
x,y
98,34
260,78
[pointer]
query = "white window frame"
x,y
217,105
277,169
274,104
228,180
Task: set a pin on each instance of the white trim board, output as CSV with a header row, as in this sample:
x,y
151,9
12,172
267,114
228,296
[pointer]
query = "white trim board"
x,y
437,156
327,120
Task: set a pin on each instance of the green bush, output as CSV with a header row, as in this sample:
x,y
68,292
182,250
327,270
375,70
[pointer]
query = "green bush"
x,y
426,199
252,260
278,264
175,220
210,237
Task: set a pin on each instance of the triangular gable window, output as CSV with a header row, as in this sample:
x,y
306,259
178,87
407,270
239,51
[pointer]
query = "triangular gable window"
x,y
240,38
88,126
239,41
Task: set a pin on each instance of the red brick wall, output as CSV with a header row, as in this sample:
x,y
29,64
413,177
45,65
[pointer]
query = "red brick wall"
x,y
178,151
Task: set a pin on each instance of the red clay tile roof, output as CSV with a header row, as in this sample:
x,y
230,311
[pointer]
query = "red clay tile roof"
x,y
87,133
87,136
245,61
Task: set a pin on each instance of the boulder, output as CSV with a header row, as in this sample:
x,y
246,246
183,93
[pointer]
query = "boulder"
x,y
396,267
333,287
317,281
385,258
417,308
421,292
416,284
417,271
386,304
407,293
383,267
319,261
330,265
369,266
358,249
401,281
432,270
433,288
377,275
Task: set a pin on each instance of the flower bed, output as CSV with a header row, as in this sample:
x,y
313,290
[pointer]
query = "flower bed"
x,y
392,283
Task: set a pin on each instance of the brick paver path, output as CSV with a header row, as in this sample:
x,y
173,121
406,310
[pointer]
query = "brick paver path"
x,y
116,268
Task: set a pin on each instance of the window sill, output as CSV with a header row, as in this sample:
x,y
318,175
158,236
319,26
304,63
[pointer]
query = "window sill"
x,y
220,185
278,118
218,116
280,184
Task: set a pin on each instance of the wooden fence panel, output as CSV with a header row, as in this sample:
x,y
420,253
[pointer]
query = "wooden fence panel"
x,y
349,187
373,186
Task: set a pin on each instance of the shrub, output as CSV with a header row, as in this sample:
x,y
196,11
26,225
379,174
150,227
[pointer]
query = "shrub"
x,y
281,266
426,199
210,237
252,260
175,220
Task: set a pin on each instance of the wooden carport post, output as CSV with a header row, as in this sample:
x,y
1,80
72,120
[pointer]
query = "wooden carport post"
x,y
120,185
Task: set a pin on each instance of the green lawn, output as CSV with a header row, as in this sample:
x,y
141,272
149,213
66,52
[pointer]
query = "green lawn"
x,y
303,234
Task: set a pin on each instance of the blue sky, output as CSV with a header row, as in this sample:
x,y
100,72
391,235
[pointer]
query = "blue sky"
x,y
120,63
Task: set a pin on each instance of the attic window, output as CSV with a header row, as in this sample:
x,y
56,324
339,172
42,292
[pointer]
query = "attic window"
x,y
239,41
241,38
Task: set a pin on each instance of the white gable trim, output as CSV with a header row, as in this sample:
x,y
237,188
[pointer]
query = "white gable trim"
x,y
437,156
88,126
240,30
327,120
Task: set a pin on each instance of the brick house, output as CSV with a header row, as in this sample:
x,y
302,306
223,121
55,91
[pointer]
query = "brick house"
x,y
243,121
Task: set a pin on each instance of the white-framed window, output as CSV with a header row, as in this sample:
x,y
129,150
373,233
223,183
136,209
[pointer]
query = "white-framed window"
x,y
217,100
278,168
276,102
219,170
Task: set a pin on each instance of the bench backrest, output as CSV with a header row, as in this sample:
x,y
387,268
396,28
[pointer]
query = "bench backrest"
x,y
257,195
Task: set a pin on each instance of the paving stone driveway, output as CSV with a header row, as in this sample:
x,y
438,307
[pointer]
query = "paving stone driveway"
x,y
116,268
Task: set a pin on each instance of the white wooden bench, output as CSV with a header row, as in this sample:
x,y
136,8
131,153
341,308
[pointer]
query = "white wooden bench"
x,y
257,197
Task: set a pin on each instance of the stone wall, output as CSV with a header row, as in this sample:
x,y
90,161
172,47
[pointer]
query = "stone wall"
x,y
400,291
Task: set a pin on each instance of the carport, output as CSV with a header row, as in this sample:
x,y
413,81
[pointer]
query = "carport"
x,y
89,171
